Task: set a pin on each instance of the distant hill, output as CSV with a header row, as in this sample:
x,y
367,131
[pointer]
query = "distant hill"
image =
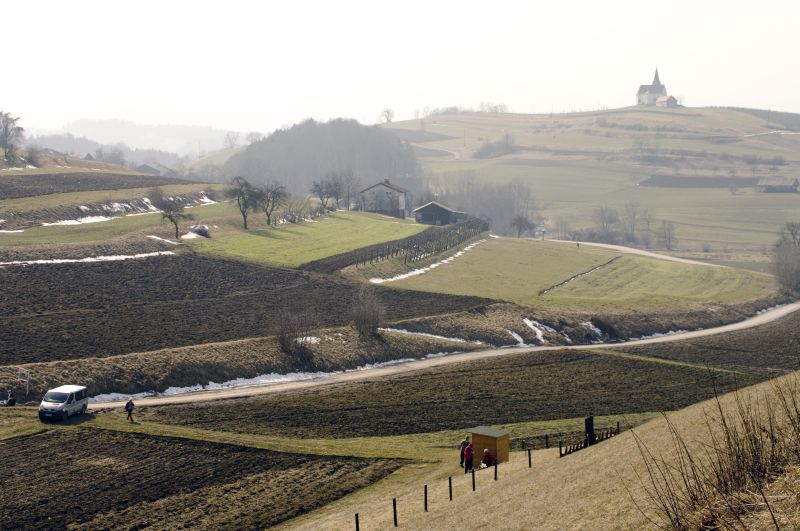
x,y
308,151
785,120
180,139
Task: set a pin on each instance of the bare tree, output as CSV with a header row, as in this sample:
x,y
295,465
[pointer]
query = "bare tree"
x,y
350,184
335,185
274,195
630,218
10,135
172,209
521,224
321,190
367,313
231,139
110,154
246,196
387,115
790,234
605,217
666,234
294,330
562,228
786,266
254,136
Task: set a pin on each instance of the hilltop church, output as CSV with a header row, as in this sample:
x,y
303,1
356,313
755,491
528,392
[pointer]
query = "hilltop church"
x,y
655,94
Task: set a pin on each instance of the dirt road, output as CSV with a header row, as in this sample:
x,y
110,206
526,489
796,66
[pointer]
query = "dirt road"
x,y
760,319
640,252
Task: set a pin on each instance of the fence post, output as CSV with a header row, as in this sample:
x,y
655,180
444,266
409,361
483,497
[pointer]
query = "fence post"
x,y
530,463
426,498
394,510
617,427
495,469
473,480
450,486
546,441
559,449
357,527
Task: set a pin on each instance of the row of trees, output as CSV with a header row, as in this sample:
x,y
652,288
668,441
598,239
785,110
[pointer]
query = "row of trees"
x,y
634,225
249,198
786,258
339,187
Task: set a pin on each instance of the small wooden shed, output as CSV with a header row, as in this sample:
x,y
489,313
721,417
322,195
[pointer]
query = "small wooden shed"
x,y
497,441
435,213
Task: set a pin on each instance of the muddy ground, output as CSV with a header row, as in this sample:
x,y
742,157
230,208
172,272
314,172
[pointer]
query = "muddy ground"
x,y
16,186
516,388
70,311
97,479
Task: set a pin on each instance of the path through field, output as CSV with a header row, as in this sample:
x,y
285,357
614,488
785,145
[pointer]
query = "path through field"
x,y
758,320
640,252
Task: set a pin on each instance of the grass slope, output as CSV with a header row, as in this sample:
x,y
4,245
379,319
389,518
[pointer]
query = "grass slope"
x,y
292,245
517,270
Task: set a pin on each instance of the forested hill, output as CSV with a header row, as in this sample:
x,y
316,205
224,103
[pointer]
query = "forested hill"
x,y
308,151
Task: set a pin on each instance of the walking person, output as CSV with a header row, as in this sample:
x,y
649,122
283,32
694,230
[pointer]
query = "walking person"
x,y
468,454
463,445
129,409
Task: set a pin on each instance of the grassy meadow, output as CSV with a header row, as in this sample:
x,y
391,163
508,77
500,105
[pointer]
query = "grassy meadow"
x,y
517,270
576,162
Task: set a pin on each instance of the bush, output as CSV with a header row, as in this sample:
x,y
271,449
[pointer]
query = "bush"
x,y
367,313
294,329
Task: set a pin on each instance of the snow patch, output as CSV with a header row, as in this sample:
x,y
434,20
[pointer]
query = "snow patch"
x,y
494,236
517,337
428,268
84,209
538,329
657,334
206,200
153,237
308,340
432,336
190,236
11,231
264,379
593,328
31,167
109,258
79,221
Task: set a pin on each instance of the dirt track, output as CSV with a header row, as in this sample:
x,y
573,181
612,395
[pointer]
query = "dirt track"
x,y
763,318
641,252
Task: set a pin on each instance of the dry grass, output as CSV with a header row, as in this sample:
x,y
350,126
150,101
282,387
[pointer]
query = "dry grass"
x,y
597,488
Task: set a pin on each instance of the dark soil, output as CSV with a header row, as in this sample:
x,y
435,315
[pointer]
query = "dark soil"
x,y
15,186
515,388
70,311
96,479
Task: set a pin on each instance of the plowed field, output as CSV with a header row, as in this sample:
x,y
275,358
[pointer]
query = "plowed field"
x,y
98,479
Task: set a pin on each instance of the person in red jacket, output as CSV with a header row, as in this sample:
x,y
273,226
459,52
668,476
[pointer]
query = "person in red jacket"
x,y
468,454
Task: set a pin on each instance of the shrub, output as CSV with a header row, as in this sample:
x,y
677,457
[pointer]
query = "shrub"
x,y
367,313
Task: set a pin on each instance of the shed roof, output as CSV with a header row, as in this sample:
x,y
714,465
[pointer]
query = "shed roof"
x,y
488,431
387,184
777,181
436,204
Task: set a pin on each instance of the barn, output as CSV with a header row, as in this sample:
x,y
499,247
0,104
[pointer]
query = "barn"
x,y
384,197
494,440
778,184
435,213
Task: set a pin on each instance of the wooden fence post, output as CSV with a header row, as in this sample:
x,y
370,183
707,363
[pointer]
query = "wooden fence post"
x,y
473,480
546,441
450,486
617,427
495,469
426,498
394,510
560,454
357,527
530,463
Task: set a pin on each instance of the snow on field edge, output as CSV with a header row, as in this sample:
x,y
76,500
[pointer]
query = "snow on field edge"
x,y
428,268
108,258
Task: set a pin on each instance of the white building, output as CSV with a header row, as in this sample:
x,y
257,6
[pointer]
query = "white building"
x,y
384,198
649,94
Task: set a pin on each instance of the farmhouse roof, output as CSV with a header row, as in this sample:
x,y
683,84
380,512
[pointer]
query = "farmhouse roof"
x,y
147,168
88,157
488,431
387,184
437,204
778,181
665,98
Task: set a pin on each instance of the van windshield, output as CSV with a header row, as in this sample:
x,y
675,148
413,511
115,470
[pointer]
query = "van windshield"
x,y
58,398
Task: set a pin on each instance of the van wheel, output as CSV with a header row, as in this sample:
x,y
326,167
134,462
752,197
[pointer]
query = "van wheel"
x,y
64,416
83,409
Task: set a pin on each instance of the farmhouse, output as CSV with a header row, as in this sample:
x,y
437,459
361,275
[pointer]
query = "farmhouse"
x,y
778,184
434,213
649,94
666,101
384,198
88,157
155,168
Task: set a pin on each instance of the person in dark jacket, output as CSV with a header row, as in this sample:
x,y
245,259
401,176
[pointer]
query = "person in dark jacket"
x,y
468,454
129,409
12,400
463,445
487,460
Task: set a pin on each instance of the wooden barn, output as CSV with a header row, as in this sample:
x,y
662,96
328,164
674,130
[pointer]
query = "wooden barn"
x,y
384,198
778,184
434,213
496,441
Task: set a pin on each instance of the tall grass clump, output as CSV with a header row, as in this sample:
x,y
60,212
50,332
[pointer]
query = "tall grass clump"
x,y
726,480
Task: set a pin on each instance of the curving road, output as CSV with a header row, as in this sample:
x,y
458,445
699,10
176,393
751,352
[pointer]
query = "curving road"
x,y
202,396
640,252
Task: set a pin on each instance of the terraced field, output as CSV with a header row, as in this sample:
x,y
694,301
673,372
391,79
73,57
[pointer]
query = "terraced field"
x,y
13,185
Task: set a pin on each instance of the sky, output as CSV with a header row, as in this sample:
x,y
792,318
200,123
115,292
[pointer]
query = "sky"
x,y
257,66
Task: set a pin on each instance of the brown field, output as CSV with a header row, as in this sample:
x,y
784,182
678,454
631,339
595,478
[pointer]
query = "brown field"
x,y
70,311
15,186
108,479
516,388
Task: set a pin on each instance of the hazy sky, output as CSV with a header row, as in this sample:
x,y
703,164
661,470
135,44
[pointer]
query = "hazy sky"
x,y
259,65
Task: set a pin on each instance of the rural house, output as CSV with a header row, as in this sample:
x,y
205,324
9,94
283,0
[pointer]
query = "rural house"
x,y
778,184
384,198
155,168
649,94
434,213
666,101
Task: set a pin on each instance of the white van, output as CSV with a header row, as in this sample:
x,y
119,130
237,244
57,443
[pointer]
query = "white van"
x,y
63,402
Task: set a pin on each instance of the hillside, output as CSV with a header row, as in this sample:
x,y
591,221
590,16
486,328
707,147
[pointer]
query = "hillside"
x,y
576,162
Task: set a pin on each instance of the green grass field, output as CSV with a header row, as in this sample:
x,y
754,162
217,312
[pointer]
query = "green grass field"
x,y
293,245
517,270
576,162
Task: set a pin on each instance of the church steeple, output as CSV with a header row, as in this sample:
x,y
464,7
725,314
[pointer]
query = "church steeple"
x,y
656,81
